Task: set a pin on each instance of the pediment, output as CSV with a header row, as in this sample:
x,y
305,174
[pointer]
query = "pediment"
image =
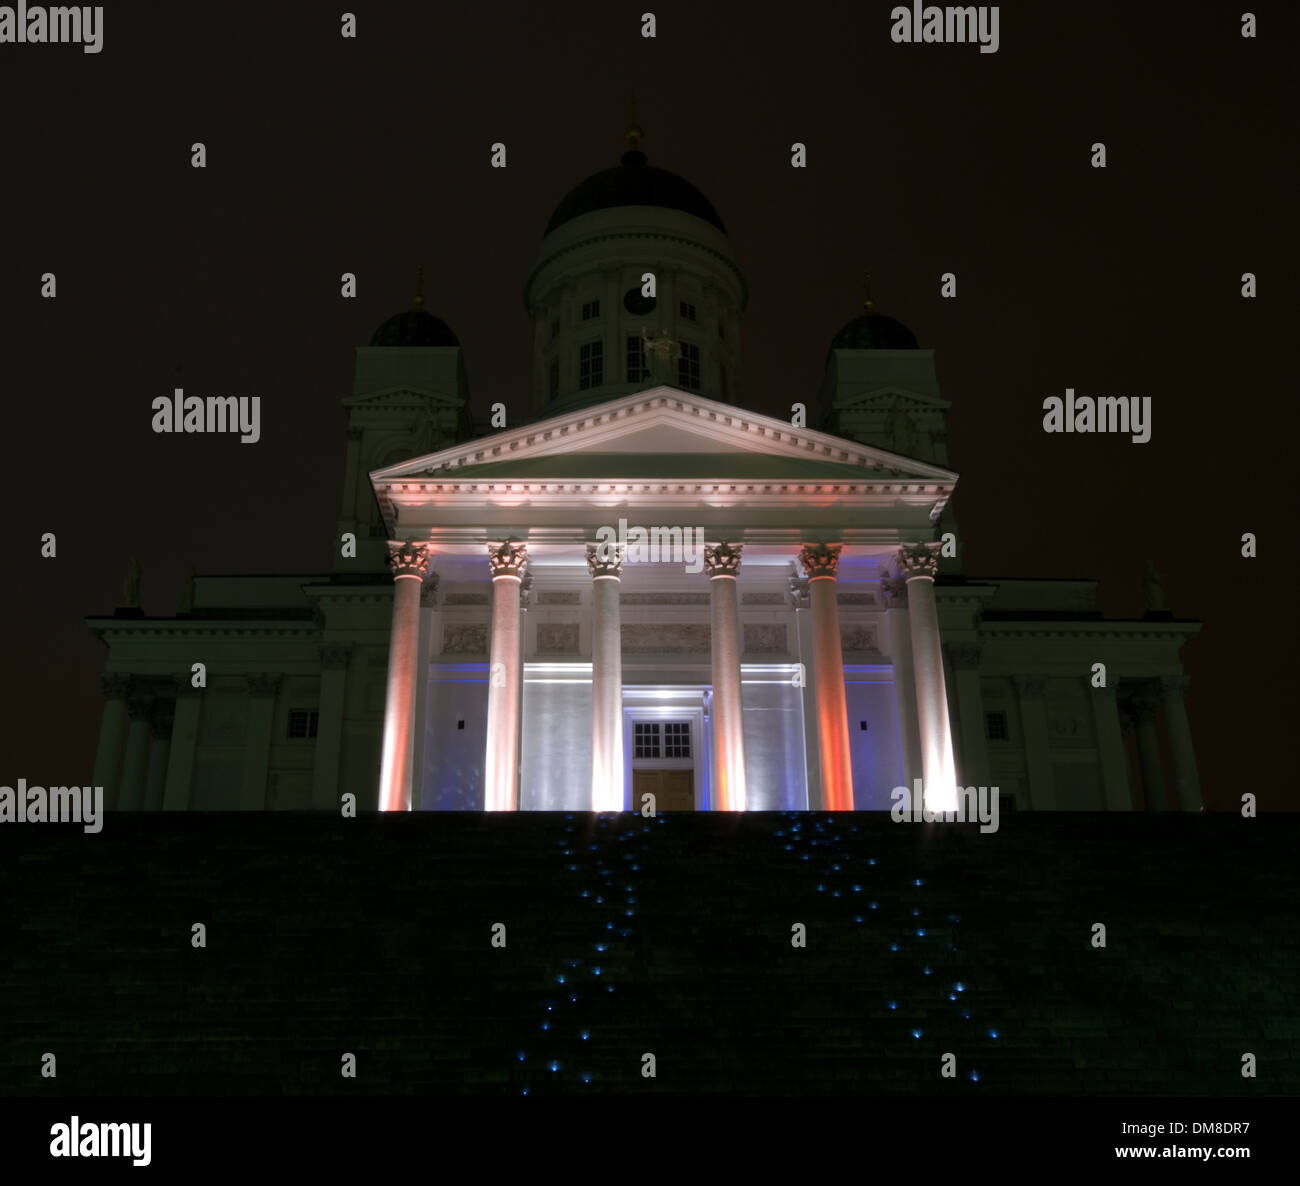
x,y
663,433
887,399
403,397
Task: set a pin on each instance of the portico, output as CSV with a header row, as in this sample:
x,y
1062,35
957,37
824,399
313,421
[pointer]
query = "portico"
x,y
713,648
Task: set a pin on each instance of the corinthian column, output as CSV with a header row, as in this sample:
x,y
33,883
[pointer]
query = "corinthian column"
x,y
605,563
1186,780
501,766
722,562
822,561
410,564
1142,708
918,563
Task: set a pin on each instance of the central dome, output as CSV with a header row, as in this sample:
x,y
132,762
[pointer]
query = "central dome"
x,y
634,183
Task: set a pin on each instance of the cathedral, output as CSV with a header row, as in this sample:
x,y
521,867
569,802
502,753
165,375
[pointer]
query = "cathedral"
x,y
630,585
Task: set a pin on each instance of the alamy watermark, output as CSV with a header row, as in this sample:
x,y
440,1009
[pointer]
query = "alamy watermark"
x,y
21,25
952,24
216,413
83,1138
55,805
974,805
652,545
1107,413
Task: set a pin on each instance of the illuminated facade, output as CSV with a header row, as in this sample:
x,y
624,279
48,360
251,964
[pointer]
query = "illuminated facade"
x,y
637,586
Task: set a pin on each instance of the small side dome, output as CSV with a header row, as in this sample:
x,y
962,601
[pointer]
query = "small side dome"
x,y
874,331
416,326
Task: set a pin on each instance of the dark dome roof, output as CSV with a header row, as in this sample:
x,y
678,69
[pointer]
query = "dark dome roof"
x,y
634,183
874,331
414,327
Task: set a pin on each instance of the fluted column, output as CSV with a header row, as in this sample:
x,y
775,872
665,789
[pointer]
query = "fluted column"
x,y
262,689
918,563
821,562
334,659
185,737
894,592
409,562
112,735
501,766
1031,698
974,769
1142,709
1111,753
160,725
1187,780
802,603
135,764
605,563
722,562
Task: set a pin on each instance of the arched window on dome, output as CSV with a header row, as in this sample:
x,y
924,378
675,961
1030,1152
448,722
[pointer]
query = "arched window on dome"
x,y
688,368
591,365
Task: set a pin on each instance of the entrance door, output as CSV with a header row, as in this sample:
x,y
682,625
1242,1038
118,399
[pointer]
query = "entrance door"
x,y
674,790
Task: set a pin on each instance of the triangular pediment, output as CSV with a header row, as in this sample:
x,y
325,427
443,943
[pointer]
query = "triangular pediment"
x,y
663,433
887,399
404,396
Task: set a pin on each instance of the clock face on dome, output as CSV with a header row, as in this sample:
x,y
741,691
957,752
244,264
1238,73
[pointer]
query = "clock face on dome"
x,y
634,302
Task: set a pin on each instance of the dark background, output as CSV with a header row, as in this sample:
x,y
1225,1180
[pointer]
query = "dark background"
x,y
372,156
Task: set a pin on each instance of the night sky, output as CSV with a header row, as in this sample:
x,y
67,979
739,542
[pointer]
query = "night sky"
x,y
327,155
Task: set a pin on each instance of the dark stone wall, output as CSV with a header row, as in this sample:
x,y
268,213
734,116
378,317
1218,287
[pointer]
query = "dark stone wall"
x,y
371,936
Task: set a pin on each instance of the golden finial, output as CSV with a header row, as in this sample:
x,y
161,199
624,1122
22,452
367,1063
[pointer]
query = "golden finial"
x,y
868,305
417,301
634,135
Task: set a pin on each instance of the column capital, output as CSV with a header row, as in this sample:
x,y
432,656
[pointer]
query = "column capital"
x,y
115,685
1030,687
429,592
820,561
893,590
722,560
507,559
407,558
185,688
965,655
605,560
160,719
139,702
1140,707
334,656
799,595
1174,687
918,561
355,434
263,683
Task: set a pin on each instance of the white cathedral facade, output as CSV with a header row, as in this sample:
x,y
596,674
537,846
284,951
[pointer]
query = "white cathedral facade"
x,y
638,586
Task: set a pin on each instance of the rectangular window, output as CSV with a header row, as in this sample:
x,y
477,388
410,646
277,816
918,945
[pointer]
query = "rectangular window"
x,y
590,309
688,310
688,368
995,726
636,367
677,739
555,378
645,740
591,365
302,723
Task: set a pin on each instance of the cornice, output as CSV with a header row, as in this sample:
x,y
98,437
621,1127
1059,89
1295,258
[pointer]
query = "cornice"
x,y
664,236
173,628
1128,630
